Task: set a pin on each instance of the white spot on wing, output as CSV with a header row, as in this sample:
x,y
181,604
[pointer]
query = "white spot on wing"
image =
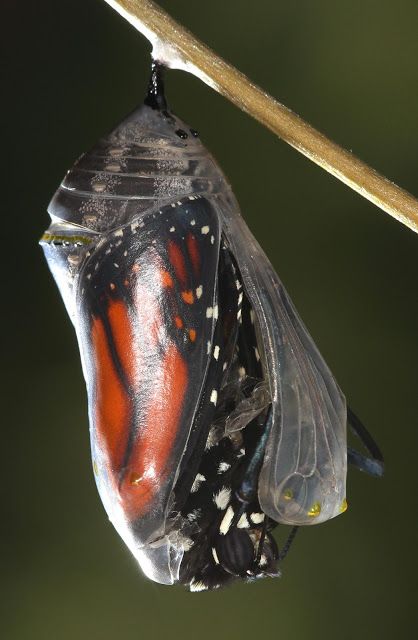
x,y
197,482
257,518
212,439
263,561
226,521
243,522
222,498
223,466
214,396
215,555
205,230
199,291
216,352
198,586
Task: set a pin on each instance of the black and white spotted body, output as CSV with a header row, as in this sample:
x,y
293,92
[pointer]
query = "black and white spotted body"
x,y
229,534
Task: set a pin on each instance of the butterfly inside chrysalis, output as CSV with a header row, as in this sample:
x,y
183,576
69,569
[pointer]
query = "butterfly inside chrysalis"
x,y
213,417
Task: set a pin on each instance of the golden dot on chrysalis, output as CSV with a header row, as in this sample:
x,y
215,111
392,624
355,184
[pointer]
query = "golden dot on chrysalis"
x,y
344,506
135,478
315,510
288,494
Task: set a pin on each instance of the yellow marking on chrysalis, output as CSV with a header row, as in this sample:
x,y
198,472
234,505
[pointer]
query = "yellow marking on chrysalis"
x,y
51,237
344,506
315,510
135,478
288,494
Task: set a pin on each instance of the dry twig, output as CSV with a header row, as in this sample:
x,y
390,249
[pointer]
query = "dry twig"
x,y
177,48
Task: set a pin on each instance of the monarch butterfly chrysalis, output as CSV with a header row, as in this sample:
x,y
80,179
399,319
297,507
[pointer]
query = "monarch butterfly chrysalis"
x,y
213,417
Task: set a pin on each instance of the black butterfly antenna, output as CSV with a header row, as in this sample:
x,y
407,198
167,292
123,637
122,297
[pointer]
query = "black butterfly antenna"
x,y
155,97
374,465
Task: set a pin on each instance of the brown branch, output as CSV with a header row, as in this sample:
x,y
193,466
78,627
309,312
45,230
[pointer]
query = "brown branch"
x,y
177,48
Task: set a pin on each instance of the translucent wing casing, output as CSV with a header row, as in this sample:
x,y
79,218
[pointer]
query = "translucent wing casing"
x,y
303,477
134,251
143,333
134,248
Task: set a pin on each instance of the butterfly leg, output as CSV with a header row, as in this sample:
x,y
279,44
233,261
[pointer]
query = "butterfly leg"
x,y
373,465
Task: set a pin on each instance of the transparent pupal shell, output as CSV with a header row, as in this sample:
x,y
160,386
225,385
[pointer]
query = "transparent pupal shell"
x,y
145,162
139,172
144,167
303,477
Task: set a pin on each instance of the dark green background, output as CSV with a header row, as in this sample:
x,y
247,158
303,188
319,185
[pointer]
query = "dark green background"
x,y
72,69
